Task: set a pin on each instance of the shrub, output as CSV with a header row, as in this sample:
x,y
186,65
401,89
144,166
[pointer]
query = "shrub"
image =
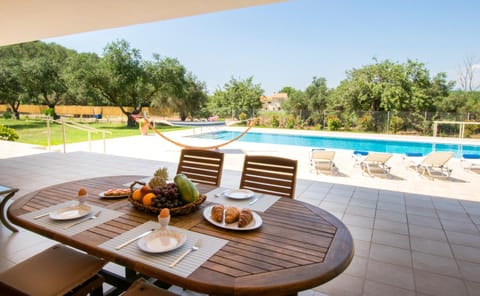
x,y
366,122
7,133
333,123
290,122
396,123
8,114
275,122
243,116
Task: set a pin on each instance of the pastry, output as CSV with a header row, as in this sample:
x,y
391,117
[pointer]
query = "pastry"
x,y
217,213
246,216
231,215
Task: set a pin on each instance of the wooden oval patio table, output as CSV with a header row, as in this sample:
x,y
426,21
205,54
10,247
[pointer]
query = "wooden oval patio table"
x,y
298,247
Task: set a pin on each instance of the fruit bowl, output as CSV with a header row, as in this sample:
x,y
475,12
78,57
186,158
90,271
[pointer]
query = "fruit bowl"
x,y
178,211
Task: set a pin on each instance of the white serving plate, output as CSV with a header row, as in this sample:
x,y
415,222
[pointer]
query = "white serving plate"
x,y
161,241
239,194
256,222
72,212
102,195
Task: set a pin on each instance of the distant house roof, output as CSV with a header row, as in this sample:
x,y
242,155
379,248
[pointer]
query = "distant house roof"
x,y
274,97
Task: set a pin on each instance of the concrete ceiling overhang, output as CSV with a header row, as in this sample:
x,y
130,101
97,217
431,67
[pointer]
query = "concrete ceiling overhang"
x,y
23,20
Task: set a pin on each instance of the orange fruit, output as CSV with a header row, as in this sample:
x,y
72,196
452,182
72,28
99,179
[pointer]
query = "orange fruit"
x,y
137,195
82,191
147,199
164,213
145,190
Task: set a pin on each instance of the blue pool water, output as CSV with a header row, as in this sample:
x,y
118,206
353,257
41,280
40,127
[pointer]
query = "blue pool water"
x,y
389,146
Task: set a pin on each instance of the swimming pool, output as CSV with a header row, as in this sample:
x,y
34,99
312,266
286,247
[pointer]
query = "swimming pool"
x,y
380,145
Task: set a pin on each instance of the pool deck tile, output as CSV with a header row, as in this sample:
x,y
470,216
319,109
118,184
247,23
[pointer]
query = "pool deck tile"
x,y
408,230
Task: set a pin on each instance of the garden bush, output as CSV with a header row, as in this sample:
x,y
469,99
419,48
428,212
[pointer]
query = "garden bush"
x,y
396,123
333,123
7,133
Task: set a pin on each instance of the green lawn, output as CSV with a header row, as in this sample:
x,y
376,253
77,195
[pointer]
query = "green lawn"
x,y
36,131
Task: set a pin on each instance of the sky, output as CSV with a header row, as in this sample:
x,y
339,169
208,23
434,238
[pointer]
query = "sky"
x,y
290,43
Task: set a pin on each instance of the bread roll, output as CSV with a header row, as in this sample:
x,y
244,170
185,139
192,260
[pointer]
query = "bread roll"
x,y
217,213
245,218
231,215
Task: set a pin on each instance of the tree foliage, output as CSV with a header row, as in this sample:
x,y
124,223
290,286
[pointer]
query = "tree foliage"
x,y
238,96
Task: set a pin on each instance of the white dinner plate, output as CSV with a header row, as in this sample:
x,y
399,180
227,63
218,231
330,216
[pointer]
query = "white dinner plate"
x,y
69,213
256,222
239,194
102,195
162,241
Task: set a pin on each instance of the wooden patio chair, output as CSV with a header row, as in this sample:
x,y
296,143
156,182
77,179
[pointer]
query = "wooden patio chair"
x,y
201,166
269,175
143,288
6,193
59,270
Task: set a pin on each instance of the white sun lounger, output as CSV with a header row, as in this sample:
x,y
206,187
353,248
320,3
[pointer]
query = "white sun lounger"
x,y
376,161
471,161
321,159
436,162
358,156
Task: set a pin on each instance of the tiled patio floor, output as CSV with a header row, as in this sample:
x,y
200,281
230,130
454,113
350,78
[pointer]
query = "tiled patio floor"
x,y
412,236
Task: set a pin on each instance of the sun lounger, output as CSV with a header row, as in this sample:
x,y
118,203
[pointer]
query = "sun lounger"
x,y
435,164
376,161
322,159
413,159
471,161
358,157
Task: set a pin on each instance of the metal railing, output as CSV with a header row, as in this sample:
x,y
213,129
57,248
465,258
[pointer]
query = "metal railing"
x,y
77,126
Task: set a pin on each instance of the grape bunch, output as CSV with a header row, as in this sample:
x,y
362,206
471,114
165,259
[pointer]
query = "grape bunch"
x,y
167,197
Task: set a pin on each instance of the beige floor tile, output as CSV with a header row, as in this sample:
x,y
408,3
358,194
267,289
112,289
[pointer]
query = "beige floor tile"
x,y
388,254
361,233
391,216
470,271
435,264
358,267
378,289
355,220
435,284
391,239
395,227
343,285
393,207
466,253
362,248
460,226
473,288
432,222
427,233
458,238
360,211
427,212
432,247
390,274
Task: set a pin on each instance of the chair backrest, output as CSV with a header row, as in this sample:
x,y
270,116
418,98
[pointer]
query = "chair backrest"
x,y
201,166
322,154
270,175
378,157
437,158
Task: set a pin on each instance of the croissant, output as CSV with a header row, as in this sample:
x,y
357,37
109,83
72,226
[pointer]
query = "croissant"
x,y
217,213
231,215
246,216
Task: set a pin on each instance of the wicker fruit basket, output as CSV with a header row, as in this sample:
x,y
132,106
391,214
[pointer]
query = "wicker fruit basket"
x,y
179,211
